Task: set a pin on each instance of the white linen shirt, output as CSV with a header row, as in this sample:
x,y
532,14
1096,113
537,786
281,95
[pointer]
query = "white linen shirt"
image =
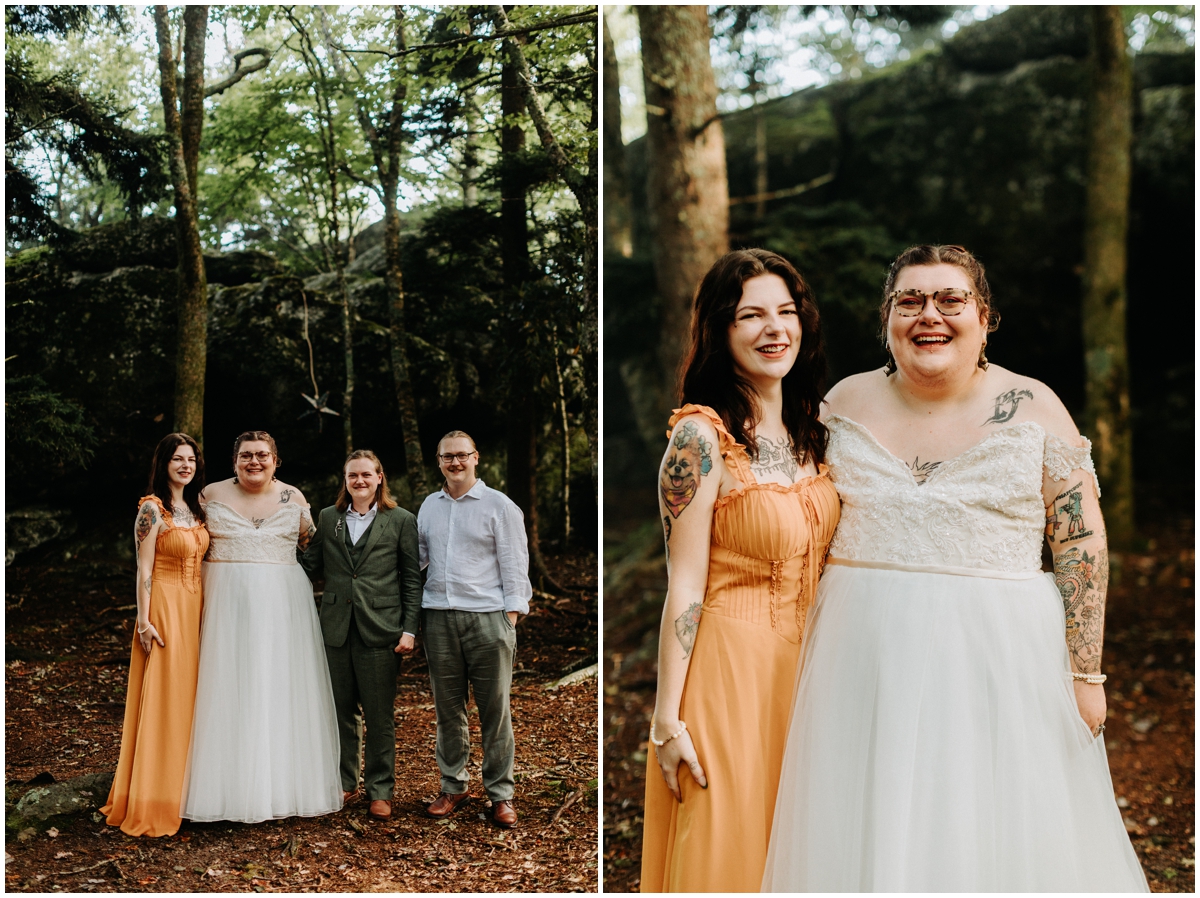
x,y
475,550
357,523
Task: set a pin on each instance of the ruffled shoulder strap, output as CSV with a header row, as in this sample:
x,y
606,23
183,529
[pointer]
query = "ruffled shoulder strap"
x,y
731,450
1060,458
157,501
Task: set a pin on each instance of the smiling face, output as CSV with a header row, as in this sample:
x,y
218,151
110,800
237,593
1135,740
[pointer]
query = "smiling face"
x,y
932,345
362,482
764,338
182,466
459,472
254,464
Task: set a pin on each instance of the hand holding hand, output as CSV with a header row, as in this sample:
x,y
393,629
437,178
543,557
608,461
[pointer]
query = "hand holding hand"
x,y
679,750
1092,707
147,636
407,643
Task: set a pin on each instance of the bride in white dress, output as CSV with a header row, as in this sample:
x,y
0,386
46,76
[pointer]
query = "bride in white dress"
x,y
264,737
945,735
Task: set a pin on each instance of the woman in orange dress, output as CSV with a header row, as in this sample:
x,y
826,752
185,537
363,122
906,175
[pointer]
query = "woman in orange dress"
x,y
748,511
171,540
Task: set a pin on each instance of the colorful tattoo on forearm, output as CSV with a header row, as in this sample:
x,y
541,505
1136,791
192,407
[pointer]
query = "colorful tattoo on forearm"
x,y
1082,580
686,626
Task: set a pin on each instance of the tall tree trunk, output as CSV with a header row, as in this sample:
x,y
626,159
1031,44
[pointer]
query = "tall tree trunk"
x,y
686,186
618,217
470,161
760,161
394,277
183,138
583,186
566,443
1104,264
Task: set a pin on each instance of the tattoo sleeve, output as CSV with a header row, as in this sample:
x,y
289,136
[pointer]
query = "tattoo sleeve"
x,y
689,458
146,519
1082,580
685,628
307,529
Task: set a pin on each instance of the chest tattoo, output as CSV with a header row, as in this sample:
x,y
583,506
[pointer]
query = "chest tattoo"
x,y
922,469
775,456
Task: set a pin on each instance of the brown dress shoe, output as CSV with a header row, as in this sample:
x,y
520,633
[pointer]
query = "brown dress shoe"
x,y
503,814
446,804
347,796
380,809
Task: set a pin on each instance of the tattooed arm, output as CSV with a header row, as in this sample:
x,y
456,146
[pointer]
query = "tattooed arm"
x,y
1075,531
689,478
145,535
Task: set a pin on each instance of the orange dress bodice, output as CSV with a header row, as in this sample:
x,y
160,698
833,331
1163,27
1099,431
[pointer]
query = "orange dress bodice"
x,y
767,549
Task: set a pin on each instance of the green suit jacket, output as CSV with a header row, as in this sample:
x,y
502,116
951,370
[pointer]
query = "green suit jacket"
x,y
383,589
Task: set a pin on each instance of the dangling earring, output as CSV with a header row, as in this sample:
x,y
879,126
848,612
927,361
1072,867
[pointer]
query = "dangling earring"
x,y
891,362
983,362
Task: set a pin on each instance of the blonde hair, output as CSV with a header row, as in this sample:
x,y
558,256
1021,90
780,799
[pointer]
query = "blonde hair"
x,y
383,496
455,435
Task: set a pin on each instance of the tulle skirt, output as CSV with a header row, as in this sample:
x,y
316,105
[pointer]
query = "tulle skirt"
x,y
264,739
935,745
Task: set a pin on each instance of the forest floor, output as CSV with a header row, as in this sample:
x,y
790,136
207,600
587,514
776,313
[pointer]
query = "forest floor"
x,y
1149,656
68,639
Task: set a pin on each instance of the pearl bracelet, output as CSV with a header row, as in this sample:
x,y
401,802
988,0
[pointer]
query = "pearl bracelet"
x,y
675,735
1091,679
139,629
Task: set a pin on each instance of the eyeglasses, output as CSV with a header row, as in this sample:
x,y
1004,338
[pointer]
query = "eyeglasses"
x,y
911,303
250,456
459,457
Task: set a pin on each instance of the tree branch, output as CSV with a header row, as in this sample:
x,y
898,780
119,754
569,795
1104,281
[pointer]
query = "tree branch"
x,y
238,72
577,19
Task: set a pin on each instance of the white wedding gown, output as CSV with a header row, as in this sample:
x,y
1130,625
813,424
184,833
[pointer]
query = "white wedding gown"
x,y
264,738
935,744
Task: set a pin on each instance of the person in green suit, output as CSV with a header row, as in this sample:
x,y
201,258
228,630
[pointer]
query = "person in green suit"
x,y
367,548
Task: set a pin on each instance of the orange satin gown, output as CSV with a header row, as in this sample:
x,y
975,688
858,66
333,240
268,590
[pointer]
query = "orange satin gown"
x,y
768,547
147,789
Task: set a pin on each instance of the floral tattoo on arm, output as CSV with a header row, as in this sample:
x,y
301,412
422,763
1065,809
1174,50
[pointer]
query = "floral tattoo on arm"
x,y
685,628
146,519
689,458
1082,580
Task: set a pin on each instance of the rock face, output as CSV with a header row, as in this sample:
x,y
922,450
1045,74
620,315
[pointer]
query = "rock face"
x,y
96,321
27,528
83,793
980,143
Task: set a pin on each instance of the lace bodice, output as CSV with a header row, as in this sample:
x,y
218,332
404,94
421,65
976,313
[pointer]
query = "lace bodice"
x,y
234,538
982,509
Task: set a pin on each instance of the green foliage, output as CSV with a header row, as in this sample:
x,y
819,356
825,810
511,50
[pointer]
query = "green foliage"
x,y
49,113
44,430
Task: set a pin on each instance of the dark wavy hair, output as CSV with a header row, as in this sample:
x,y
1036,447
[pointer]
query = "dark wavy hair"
x,y
161,486
932,254
383,496
708,376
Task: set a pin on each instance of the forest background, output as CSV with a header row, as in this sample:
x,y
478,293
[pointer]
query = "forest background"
x,y
357,226
1061,152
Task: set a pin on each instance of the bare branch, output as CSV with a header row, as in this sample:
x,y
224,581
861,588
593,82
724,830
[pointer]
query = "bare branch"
x,y
238,72
499,34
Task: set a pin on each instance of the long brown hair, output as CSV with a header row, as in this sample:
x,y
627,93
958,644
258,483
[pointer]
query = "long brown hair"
x,y
160,484
708,376
383,496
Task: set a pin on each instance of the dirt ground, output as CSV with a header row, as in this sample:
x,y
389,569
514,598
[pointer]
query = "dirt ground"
x,y
68,638
1149,656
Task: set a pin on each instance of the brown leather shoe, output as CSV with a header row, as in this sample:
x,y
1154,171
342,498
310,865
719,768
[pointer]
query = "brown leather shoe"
x,y
446,804
380,809
348,796
503,814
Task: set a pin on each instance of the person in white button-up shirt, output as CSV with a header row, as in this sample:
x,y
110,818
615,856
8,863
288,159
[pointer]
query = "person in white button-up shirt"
x,y
476,558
